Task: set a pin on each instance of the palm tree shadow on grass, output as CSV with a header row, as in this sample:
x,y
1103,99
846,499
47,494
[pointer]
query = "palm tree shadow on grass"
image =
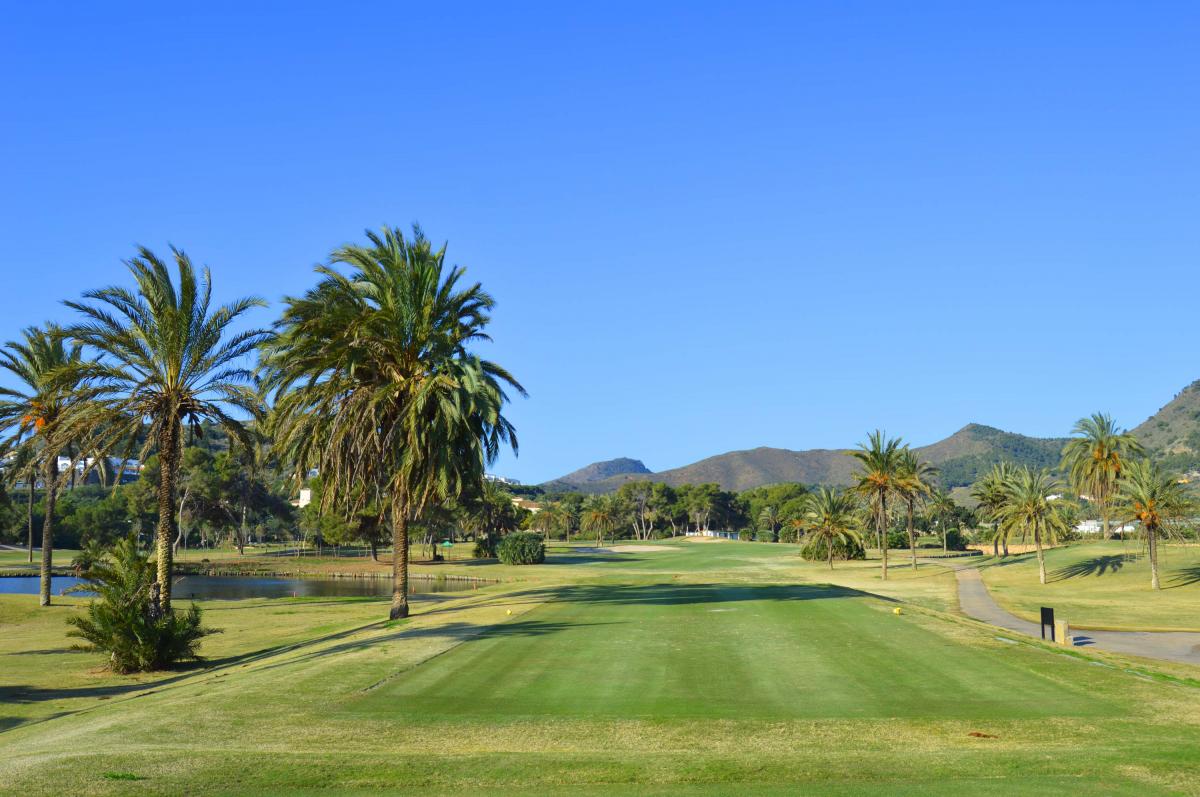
x,y
1096,566
1184,577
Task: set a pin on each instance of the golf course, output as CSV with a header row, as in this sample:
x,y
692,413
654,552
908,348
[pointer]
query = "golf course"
x,y
679,667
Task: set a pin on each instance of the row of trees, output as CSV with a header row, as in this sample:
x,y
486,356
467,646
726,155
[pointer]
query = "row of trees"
x,y
369,379
1107,468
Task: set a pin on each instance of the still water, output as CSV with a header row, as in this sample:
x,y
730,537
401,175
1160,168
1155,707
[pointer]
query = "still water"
x,y
240,587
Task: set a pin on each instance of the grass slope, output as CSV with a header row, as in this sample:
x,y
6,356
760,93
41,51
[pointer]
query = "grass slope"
x,y
1103,585
708,669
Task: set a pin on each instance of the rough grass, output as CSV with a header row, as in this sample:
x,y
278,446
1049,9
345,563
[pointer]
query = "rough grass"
x,y
1104,585
707,674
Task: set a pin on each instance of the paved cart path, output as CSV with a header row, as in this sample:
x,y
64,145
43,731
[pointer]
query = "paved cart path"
x,y
977,602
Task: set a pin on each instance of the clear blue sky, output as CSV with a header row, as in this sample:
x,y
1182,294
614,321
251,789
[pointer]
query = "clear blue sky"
x,y
708,227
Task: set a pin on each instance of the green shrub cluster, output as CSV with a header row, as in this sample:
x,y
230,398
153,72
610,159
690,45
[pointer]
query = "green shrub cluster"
x,y
522,548
124,620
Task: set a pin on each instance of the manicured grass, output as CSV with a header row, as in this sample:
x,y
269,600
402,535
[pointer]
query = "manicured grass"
x,y
709,669
1103,585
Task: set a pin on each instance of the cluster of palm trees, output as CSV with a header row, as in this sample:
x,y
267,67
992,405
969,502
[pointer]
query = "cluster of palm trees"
x,y
1106,466
368,378
891,477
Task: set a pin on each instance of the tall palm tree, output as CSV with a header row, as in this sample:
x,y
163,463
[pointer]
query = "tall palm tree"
x,y
914,484
169,362
33,418
1095,459
1156,500
831,516
942,504
1029,508
989,491
877,480
376,384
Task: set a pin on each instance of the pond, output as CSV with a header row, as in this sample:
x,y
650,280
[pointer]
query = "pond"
x,y
241,587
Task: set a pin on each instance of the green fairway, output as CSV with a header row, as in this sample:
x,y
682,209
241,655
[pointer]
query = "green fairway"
x,y
698,669
731,652
1103,585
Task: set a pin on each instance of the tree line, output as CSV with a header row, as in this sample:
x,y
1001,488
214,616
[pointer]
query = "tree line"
x,y
369,379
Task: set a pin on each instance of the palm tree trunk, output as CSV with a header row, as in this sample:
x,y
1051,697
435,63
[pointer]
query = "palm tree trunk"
x,y
996,540
168,475
831,554
399,560
1037,540
241,543
32,478
881,526
1152,537
912,539
48,526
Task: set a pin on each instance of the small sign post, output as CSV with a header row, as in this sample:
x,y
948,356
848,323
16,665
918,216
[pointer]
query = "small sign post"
x,y
1048,620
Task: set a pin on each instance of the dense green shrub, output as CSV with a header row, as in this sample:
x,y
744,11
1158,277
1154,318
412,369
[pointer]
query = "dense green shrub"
x,y
955,541
485,547
897,539
124,620
522,548
816,550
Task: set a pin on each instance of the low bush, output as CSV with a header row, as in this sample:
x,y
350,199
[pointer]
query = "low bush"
x,y
124,620
522,548
955,541
485,547
897,539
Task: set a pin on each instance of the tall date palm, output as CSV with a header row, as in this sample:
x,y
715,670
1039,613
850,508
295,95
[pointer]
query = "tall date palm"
x,y
376,386
1156,500
878,479
1095,459
32,418
168,361
913,485
1029,508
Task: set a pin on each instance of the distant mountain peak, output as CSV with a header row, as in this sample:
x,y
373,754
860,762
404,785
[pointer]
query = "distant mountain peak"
x,y
599,471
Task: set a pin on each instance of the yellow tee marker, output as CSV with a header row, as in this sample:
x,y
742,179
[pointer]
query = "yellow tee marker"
x,y
897,611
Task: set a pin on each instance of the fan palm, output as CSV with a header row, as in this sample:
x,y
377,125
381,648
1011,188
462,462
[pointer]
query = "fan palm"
x,y
1095,460
169,362
831,517
989,491
878,479
34,420
914,484
1029,508
1156,500
375,383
